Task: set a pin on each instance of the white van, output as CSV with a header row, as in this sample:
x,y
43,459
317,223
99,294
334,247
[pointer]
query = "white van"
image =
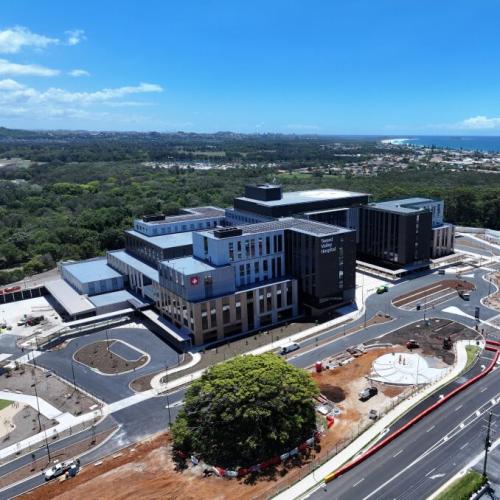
x,y
289,348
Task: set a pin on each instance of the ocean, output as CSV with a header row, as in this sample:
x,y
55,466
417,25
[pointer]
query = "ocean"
x,y
470,143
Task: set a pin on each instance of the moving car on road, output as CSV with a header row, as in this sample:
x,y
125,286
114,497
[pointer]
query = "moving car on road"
x,y
382,289
289,348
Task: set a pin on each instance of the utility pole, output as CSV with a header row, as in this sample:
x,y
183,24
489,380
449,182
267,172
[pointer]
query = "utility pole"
x,y
168,401
487,444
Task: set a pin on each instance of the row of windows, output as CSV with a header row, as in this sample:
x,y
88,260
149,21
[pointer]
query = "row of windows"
x,y
254,247
159,229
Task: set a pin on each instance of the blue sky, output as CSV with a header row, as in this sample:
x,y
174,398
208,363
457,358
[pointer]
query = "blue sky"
x,y
327,67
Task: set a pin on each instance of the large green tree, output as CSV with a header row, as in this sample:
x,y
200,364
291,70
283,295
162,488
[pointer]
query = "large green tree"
x,y
246,410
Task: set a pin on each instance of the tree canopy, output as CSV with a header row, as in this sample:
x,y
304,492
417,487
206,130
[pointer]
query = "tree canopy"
x,y
246,410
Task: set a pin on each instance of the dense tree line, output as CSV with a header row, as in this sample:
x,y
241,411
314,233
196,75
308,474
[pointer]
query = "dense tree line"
x,y
50,212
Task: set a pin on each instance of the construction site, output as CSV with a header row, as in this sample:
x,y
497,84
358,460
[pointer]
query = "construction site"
x,y
354,393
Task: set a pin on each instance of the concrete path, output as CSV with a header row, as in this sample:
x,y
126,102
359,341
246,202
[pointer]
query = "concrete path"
x,y
46,409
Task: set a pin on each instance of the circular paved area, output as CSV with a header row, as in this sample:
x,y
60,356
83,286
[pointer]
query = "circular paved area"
x,y
404,369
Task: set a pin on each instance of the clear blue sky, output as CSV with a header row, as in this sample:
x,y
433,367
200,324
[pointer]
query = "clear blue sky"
x,y
332,66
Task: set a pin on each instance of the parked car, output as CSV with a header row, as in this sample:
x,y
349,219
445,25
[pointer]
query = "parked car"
x,y
368,393
60,468
289,348
382,289
441,271
373,414
464,295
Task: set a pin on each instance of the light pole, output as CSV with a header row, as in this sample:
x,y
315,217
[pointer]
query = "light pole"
x,y
168,400
487,445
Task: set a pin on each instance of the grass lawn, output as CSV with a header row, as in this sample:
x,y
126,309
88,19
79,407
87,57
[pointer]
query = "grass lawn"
x,y
472,352
462,488
4,403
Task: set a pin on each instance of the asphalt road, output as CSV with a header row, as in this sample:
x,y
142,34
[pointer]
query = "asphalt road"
x,y
110,388
415,464
141,420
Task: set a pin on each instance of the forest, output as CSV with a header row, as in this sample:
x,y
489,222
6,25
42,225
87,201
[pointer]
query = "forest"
x,y
75,210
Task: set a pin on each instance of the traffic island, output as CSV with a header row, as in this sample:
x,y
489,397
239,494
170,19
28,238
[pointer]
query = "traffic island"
x,y
463,488
111,357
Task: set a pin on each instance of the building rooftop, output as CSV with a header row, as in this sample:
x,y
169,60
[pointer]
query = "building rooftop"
x,y
188,214
88,271
137,264
403,206
188,265
165,240
106,299
69,298
298,197
303,225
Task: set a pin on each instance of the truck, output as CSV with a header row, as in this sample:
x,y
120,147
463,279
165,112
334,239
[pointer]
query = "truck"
x,y
368,393
59,468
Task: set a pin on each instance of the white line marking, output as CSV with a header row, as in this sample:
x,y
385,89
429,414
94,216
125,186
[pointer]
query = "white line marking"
x,y
430,472
430,428
458,407
463,446
360,481
483,389
398,453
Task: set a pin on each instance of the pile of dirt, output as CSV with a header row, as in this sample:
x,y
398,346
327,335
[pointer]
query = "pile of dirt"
x,y
333,392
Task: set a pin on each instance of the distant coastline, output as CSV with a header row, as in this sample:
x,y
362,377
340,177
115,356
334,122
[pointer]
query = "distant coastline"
x,y
486,144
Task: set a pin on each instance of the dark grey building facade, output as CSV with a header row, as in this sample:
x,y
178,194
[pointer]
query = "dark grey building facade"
x,y
391,236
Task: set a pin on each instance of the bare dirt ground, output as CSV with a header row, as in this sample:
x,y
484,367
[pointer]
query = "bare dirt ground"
x,y
59,394
421,293
493,300
430,337
146,471
97,355
343,384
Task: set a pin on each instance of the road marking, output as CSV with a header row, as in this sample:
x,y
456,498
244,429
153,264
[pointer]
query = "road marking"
x,y
360,481
458,407
483,389
463,446
398,453
430,472
430,428
478,413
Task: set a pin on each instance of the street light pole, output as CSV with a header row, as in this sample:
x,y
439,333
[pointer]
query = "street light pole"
x,y
487,445
168,400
